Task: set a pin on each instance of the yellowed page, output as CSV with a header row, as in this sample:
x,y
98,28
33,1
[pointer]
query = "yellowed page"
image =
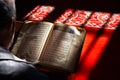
x,y
31,40
63,49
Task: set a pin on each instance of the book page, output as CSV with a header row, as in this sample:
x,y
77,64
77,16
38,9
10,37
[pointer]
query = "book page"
x,y
63,48
31,40
58,47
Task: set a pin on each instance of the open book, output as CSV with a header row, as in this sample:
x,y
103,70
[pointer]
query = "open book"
x,y
54,46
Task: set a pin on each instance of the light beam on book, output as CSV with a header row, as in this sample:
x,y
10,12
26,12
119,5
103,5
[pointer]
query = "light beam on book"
x,y
55,46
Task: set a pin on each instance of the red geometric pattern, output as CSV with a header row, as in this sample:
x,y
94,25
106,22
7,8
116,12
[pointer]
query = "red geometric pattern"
x,y
32,11
78,18
64,16
40,13
98,19
113,22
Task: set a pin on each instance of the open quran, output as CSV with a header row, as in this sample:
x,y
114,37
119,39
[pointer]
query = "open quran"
x,y
54,46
